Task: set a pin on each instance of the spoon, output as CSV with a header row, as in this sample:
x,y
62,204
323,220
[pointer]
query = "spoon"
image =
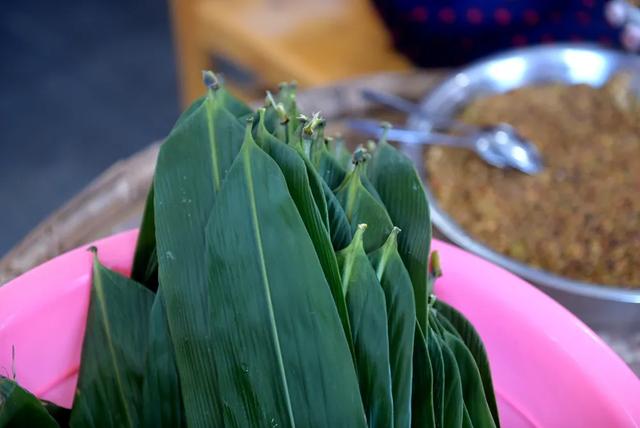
x,y
499,145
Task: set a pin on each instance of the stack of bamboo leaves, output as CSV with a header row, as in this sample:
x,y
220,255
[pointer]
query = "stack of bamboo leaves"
x,y
278,281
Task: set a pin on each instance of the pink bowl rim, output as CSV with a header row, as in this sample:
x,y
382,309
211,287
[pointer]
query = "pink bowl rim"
x,y
618,376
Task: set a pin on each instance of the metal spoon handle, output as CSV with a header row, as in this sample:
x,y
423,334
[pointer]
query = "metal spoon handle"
x,y
410,136
389,100
406,106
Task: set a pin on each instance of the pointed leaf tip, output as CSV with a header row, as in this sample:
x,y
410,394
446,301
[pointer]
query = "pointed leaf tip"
x,y
316,122
269,100
385,130
389,247
393,235
248,132
278,107
358,236
360,155
210,80
93,249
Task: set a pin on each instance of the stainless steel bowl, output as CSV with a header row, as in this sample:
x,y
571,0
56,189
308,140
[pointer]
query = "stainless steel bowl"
x,y
602,307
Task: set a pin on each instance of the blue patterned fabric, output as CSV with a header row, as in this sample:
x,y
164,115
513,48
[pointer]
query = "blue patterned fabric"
x,y
453,32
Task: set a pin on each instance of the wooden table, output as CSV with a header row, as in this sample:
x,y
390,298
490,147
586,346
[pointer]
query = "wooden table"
x,y
114,201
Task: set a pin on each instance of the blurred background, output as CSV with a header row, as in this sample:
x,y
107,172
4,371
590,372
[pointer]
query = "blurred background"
x,y
82,84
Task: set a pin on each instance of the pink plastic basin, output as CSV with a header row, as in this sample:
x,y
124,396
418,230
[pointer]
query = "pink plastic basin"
x,y
549,369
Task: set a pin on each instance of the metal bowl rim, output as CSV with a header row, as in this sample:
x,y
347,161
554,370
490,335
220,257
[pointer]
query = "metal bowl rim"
x,y
459,236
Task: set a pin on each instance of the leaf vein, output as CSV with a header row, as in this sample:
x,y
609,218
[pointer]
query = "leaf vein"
x,y
265,280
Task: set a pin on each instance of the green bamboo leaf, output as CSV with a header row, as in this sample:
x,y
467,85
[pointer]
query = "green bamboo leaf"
x,y
20,408
60,414
328,167
308,132
287,97
338,148
311,133
472,340
422,408
401,321
234,106
318,191
330,170
438,387
279,343
334,171
109,387
189,111
275,118
145,260
191,167
301,180
368,315
282,115
161,387
316,132
261,132
401,191
339,226
466,419
361,207
473,394
453,401
370,188
151,273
